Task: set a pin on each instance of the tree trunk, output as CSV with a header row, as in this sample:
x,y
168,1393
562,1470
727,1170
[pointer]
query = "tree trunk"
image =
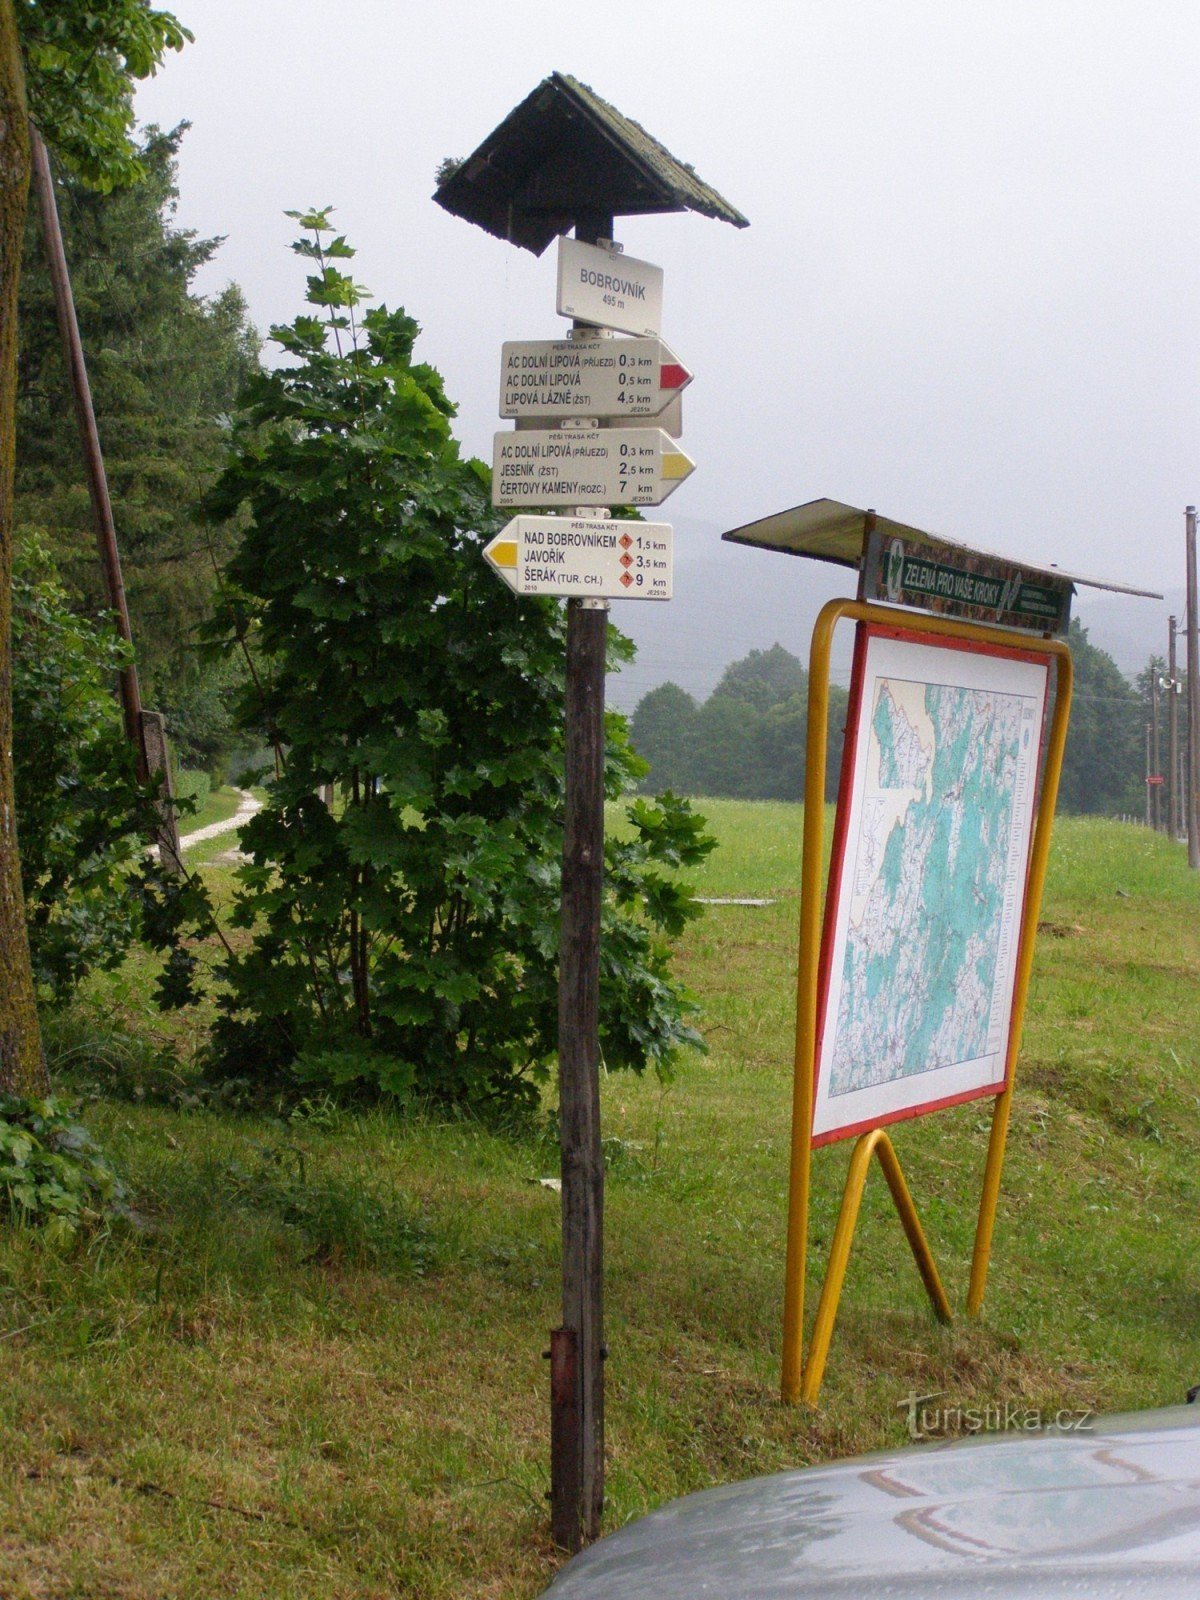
x,y
22,1065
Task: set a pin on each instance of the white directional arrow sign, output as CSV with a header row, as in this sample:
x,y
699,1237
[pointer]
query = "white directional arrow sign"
x,y
587,467
582,556
589,378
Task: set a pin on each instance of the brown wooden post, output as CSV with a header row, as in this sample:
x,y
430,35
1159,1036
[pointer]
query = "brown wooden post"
x,y
1149,786
1193,697
577,1445
1155,753
565,1457
158,763
579,1065
1172,731
85,416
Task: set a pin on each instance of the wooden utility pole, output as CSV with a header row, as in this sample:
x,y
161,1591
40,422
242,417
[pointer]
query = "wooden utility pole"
x,y
144,730
577,1349
1149,786
1193,697
1155,754
85,416
1172,732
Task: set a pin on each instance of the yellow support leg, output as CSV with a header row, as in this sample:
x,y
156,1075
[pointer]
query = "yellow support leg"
x,y
874,1143
811,870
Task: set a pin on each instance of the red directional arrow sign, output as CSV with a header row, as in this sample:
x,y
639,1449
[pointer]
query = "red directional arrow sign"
x,y
589,378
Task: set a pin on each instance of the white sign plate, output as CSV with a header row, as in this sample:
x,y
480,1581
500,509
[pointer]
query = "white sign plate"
x,y
608,559
609,289
589,378
586,467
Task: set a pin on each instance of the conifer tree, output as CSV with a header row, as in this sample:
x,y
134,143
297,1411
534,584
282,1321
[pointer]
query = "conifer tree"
x,y
165,366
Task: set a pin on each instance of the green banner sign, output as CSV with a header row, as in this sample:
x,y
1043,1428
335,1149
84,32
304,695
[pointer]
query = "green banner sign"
x,y
977,587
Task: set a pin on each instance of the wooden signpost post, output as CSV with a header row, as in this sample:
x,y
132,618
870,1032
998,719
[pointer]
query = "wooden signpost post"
x,y
584,559
565,158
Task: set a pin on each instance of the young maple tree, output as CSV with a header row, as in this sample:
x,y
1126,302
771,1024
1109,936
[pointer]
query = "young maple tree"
x,y
406,939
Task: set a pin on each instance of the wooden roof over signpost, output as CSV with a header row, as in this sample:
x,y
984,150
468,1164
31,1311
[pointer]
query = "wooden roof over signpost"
x,y
562,152
828,530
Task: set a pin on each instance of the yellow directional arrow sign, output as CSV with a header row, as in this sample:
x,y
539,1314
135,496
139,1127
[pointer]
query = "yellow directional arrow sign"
x,y
584,556
587,467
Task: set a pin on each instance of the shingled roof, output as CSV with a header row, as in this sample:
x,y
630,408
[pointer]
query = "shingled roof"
x,y
564,153
828,530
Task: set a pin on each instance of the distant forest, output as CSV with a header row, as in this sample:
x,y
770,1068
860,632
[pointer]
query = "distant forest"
x,y
746,741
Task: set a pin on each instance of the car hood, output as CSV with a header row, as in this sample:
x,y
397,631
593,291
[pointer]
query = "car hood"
x,y
1112,1511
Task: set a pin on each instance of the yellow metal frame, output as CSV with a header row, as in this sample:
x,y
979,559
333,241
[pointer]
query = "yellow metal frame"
x,y
803,1380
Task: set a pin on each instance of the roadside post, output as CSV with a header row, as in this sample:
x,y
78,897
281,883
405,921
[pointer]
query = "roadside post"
x,y
145,730
1192,624
1158,822
1172,686
914,962
587,438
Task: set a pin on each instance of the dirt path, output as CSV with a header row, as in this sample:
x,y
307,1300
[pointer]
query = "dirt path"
x,y
247,806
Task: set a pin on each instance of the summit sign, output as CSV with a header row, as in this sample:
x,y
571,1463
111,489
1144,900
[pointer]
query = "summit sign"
x,y
608,289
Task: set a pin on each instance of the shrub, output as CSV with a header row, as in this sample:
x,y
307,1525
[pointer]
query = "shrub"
x,y
84,818
82,815
52,1176
194,787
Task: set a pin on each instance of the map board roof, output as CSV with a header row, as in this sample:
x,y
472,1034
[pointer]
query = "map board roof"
x,y
828,530
564,149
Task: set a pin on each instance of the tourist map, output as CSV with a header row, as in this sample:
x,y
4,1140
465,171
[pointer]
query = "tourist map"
x,y
927,899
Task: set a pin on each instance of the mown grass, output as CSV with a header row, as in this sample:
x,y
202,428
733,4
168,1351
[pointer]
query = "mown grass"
x,y
218,805
316,1368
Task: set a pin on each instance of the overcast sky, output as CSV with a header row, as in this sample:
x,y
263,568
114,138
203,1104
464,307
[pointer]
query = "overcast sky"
x,y
967,296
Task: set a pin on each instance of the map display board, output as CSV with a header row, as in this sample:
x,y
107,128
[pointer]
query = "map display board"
x,y
927,883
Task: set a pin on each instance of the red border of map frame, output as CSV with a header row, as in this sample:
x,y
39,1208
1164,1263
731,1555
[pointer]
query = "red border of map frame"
x,y
864,632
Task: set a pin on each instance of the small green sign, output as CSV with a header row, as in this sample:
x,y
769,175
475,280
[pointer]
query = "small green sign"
x,y
974,586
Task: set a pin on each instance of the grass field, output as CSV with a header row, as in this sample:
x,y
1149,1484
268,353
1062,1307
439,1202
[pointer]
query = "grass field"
x,y
218,804
317,1371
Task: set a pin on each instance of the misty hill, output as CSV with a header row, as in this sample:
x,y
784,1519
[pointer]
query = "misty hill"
x,y
1130,630
730,600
